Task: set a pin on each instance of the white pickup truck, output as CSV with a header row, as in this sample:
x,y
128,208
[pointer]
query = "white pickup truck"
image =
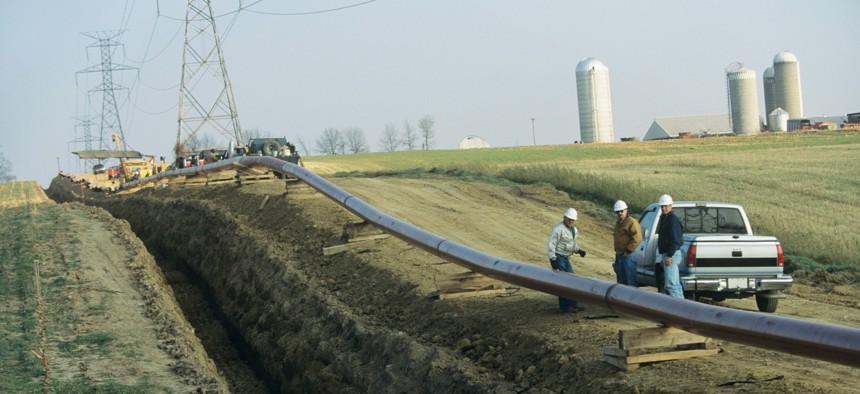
x,y
723,257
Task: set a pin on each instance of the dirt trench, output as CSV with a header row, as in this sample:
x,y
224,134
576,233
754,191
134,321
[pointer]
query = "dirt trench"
x,y
362,321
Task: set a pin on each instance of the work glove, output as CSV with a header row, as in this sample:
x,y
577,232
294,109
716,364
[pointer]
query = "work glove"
x,y
581,253
554,263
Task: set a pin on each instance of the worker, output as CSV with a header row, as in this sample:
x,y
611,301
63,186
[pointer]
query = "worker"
x,y
211,157
628,235
562,244
669,246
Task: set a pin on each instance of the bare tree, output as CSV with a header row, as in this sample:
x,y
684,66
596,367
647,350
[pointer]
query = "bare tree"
x,y
409,136
425,124
303,146
331,142
390,140
255,133
5,169
355,141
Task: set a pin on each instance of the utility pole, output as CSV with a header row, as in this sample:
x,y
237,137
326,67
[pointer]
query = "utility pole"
x,y
210,107
534,138
110,122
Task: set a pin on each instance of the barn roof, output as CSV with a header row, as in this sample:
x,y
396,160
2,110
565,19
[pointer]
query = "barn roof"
x,y
670,127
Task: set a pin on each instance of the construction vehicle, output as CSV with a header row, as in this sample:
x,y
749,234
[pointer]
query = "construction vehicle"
x,y
132,169
275,147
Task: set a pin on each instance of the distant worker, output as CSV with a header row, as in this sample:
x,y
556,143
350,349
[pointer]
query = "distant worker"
x,y
628,235
669,246
561,245
211,157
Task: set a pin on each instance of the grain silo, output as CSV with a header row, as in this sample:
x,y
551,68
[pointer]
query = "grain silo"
x,y
743,100
769,92
786,78
778,120
595,102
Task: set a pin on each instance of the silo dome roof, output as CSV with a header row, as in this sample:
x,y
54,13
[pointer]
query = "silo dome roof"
x,y
590,63
768,72
784,57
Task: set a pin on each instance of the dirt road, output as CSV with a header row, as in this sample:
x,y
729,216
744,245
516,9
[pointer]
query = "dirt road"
x,y
362,321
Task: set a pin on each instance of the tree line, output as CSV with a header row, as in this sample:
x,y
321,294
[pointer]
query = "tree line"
x,y
352,140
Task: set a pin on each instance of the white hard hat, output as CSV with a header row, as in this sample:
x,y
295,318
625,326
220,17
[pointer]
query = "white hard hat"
x,y
570,213
665,200
619,206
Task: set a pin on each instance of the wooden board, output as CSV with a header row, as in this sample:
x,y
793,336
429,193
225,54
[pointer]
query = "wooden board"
x,y
634,345
467,284
656,337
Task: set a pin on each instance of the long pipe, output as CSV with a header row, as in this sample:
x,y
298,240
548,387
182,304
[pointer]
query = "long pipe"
x,y
833,343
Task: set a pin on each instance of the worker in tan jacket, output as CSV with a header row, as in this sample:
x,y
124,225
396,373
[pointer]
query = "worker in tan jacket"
x,y
628,235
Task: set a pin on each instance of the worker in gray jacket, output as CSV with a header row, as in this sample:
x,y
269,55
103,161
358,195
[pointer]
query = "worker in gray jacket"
x,y
561,245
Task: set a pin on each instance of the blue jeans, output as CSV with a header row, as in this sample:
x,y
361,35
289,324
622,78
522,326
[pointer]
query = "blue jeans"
x,y
564,265
625,270
671,276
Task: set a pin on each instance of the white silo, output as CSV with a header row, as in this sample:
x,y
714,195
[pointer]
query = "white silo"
x,y
769,92
743,101
595,102
778,120
786,78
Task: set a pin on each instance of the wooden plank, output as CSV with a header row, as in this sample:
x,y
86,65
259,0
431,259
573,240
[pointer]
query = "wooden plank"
x,y
614,351
467,283
620,363
348,246
368,237
476,293
656,337
674,355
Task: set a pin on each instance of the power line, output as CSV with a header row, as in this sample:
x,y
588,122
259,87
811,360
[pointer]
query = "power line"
x,y
308,12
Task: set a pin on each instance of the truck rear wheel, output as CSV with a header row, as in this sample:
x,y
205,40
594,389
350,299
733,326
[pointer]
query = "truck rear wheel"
x,y
766,304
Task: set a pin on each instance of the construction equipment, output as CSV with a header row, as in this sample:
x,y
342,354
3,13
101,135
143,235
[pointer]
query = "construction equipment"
x,y
276,147
136,168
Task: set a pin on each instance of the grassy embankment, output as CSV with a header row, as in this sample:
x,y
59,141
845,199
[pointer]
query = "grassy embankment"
x,y
37,326
800,187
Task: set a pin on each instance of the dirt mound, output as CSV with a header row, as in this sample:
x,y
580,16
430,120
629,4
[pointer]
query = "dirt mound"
x,y
106,318
362,321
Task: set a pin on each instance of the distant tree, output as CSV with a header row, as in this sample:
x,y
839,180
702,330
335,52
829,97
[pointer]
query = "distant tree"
x,y
409,136
355,141
390,140
250,134
199,142
426,124
300,142
331,142
5,169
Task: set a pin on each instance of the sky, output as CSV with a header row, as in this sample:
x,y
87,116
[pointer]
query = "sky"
x,y
477,67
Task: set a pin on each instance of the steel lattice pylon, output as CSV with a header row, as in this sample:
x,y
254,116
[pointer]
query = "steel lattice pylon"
x,y
110,122
210,107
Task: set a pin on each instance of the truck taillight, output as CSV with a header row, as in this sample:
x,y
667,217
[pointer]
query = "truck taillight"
x,y
780,258
691,256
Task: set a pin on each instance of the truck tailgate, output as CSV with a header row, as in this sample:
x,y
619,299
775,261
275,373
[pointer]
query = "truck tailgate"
x,y
736,254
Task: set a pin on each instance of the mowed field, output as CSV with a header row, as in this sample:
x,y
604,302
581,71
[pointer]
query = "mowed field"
x,y
801,187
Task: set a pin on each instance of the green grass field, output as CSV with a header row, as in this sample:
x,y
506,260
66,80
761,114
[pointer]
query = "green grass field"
x,y
801,187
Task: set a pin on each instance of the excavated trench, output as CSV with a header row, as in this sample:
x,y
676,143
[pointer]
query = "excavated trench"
x,y
309,323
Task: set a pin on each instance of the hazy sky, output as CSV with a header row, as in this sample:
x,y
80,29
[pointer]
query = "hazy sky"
x,y
478,67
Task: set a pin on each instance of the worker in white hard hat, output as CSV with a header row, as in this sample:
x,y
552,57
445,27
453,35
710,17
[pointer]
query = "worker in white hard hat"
x,y
628,235
670,235
561,245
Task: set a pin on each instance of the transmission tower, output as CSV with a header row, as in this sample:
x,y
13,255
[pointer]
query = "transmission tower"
x,y
210,106
110,123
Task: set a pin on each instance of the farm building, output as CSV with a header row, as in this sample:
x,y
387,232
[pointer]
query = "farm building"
x,y
692,125
817,122
473,142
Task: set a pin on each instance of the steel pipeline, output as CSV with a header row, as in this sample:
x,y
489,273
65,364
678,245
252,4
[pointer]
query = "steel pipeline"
x,y
833,343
